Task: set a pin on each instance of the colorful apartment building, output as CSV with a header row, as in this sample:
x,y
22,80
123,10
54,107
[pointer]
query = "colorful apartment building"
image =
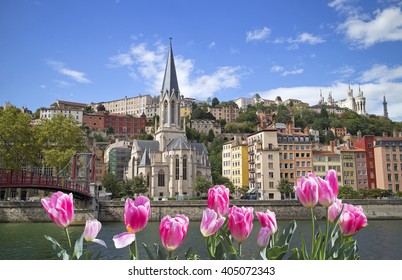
x,y
235,163
94,121
229,114
388,162
367,143
125,125
354,167
263,163
326,160
296,158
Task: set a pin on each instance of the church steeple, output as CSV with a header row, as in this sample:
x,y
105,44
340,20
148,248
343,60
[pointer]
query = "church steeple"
x,y
169,105
170,86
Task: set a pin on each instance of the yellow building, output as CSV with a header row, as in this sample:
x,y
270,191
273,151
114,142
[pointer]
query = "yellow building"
x,y
235,163
326,160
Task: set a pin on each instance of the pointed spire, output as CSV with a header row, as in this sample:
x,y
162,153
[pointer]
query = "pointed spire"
x,y
145,160
170,84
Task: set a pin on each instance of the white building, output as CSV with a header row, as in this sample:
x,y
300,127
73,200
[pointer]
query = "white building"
x,y
49,113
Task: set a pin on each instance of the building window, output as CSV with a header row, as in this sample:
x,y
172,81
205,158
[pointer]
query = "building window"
x,y
177,169
161,178
184,168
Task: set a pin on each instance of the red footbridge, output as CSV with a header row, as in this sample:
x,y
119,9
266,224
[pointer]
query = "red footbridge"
x,y
26,179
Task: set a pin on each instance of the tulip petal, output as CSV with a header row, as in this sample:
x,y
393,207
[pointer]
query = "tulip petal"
x,y
123,239
101,242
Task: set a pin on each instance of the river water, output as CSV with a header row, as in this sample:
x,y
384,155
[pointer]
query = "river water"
x,y
381,240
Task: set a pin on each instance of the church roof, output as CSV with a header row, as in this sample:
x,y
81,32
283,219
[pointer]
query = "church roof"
x,y
200,148
177,144
150,145
145,160
170,84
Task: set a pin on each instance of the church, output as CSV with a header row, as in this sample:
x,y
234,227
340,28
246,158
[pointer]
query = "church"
x,y
356,104
169,163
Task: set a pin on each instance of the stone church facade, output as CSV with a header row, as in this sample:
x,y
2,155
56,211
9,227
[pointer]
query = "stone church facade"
x,y
169,163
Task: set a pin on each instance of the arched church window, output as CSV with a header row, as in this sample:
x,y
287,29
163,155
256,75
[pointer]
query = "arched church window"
x,y
172,120
161,178
177,168
165,111
185,168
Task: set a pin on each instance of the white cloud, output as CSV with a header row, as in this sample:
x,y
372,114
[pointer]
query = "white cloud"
x,y
374,94
386,26
303,38
284,72
277,68
148,65
258,34
211,45
382,74
309,39
75,75
293,72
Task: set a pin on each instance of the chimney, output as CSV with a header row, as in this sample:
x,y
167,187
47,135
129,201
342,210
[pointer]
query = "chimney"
x,y
384,134
332,146
394,133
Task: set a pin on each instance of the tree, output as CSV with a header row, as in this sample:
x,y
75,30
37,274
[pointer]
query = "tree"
x,y
100,108
137,185
59,139
347,192
112,185
202,185
18,146
285,188
214,102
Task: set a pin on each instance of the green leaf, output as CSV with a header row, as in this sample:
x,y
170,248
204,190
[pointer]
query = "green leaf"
x,y
60,251
276,252
78,247
148,251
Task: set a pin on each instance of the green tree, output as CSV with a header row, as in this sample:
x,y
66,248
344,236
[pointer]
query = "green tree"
x,y
347,192
285,188
60,138
201,185
112,185
18,146
215,102
137,185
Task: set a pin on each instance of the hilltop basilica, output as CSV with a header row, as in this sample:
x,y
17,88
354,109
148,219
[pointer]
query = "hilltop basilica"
x,y
356,104
169,163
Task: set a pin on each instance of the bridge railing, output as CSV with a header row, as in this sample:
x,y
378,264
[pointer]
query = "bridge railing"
x,y
26,178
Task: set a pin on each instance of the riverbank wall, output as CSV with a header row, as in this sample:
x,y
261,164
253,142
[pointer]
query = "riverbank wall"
x,y
113,211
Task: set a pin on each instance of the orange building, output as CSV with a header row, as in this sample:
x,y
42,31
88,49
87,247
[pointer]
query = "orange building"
x,y
388,162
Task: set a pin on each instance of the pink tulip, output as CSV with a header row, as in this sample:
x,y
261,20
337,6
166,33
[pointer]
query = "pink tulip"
x,y
328,188
240,222
92,228
136,215
268,219
352,219
307,190
173,231
218,199
210,222
334,210
60,208
263,237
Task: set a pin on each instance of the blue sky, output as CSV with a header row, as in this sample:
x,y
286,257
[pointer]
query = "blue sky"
x,y
93,51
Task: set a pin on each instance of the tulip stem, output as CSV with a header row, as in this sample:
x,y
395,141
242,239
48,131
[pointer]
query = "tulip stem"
x,y
169,255
240,249
134,251
198,245
326,235
312,233
68,236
